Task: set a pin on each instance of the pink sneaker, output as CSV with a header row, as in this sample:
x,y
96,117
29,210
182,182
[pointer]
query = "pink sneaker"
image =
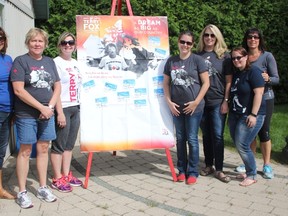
x,y
191,180
61,185
72,180
181,177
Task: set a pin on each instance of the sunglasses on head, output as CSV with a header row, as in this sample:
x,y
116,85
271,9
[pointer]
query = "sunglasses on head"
x,y
186,42
70,42
237,58
207,35
255,37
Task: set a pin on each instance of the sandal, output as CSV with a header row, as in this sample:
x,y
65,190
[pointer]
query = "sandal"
x,y
207,171
222,177
6,195
247,182
241,176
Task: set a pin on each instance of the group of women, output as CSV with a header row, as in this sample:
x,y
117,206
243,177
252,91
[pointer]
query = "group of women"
x,y
200,89
215,83
38,84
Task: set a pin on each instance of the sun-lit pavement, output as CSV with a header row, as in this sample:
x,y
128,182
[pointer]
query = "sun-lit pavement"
x,y
140,183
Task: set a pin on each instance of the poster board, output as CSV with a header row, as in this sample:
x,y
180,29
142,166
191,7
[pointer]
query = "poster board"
x,y
122,97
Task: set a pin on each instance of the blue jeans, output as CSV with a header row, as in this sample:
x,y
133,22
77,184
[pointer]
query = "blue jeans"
x,y
187,127
212,126
242,137
5,121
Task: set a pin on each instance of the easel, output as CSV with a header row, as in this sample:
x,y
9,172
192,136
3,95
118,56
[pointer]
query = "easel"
x,y
118,3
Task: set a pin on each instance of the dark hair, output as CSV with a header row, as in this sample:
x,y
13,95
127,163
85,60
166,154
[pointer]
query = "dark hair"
x,y
261,39
108,46
3,34
243,52
187,32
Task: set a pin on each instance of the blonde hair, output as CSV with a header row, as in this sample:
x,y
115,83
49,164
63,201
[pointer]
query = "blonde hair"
x,y
33,32
220,46
62,38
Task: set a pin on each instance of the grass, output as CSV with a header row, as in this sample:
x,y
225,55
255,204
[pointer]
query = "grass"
x,y
278,133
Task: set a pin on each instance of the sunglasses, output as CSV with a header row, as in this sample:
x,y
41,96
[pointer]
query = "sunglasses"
x,y
2,38
186,42
207,35
237,58
70,42
255,37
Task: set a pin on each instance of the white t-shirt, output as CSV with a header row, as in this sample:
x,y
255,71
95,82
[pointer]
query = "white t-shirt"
x,y
70,78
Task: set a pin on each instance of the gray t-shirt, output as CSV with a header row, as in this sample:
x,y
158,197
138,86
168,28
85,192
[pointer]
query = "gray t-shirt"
x,y
217,69
185,80
39,77
266,62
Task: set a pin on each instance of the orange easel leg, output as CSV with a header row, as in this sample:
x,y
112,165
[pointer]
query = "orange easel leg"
x,y
88,168
170,162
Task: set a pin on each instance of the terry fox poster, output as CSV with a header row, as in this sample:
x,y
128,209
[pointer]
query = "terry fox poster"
x,y
122,98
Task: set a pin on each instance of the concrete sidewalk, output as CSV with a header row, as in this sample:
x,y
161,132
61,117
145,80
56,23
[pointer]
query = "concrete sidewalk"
x,y
136,183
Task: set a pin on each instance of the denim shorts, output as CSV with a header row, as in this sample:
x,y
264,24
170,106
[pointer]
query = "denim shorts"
x,y
30,130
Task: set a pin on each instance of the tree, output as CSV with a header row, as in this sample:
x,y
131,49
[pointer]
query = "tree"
x,y
232,17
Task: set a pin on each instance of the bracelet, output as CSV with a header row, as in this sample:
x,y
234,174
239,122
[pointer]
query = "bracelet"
x,y
226,99
269,80
254,115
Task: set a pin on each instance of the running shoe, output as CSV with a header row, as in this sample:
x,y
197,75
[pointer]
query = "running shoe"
x,y
240,169
23,200
72,180
46,194
61,185
268,172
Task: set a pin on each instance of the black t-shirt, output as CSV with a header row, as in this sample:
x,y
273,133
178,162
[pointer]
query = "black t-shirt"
x,y
242,93
39,77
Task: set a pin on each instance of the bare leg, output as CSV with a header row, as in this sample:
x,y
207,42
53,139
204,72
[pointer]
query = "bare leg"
x,y
3,193
22,165
56,161
67,156
42,161
266,151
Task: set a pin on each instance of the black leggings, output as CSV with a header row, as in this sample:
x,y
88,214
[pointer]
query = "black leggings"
x,y
264,133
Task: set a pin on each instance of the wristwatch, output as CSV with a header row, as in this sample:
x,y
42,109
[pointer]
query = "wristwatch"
x,y
51,107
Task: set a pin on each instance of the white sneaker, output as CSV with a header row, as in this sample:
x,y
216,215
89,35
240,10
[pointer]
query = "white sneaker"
x,y
240,168
24,200
46,194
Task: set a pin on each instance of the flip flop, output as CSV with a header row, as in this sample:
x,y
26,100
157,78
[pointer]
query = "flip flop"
x,y
241,176
222,177
247,182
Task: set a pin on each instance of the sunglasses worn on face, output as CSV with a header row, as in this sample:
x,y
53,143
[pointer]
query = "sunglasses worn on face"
x,y
211,35
186,42
237,58
70,42
255,37
2,38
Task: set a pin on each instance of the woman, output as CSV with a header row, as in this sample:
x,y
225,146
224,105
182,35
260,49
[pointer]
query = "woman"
x,y
68,115
37,88
253,42
186,103
213,49
247,110
6,106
